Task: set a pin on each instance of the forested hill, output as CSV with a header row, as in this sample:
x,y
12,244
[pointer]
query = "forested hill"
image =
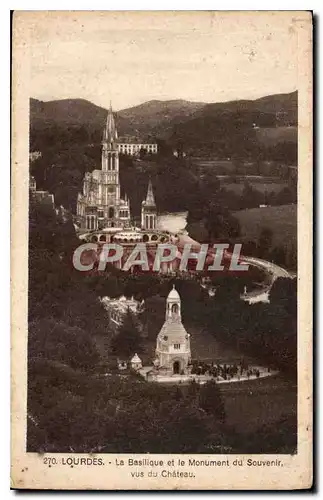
x,y
157,118
172,120
68,134
240,128
149,120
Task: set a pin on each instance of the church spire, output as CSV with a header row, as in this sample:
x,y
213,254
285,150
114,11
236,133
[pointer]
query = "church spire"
x,y
110,134
148,210
150,199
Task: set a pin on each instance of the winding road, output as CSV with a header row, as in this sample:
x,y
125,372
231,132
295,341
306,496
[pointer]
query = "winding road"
x,y
273,270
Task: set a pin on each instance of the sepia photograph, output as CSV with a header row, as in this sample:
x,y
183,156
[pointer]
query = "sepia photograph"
x,y
161,193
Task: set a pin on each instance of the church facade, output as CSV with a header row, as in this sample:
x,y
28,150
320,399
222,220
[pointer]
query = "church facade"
x,y
173,350
100,204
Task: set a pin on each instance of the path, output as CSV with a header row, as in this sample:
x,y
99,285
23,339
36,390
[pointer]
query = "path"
x,y
272,269
202,379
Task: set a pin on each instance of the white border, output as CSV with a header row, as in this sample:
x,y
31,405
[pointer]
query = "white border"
x,y
5,149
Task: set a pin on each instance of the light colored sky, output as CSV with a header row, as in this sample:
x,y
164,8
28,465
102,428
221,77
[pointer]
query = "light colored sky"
x,y
135,57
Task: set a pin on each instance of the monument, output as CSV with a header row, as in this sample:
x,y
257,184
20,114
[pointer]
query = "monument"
x,y
173,351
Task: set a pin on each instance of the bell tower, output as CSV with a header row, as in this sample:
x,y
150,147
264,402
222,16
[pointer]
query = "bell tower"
x,y
173,351
173,306
100,205
148,210
110,195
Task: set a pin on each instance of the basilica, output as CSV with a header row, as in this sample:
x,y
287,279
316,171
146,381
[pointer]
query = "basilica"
x,y
100,205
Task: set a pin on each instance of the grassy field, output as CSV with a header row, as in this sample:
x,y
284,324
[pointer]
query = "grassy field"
x,y
238,187
272,136
282,220
252,403
204,346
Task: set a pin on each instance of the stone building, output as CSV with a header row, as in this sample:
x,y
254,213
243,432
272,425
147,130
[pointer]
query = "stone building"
x,y
148,210
134,148
40,196
100,205
173,351
117,308
135,362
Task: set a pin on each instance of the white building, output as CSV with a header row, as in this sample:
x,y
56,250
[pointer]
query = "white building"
x,y
133,149
135,362
100,204
256,296
118,308
173,351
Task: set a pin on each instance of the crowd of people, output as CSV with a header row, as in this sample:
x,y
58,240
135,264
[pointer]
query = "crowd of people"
x,y
225,371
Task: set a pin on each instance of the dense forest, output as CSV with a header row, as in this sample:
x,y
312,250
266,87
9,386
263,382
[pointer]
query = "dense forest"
x,y
67,392
77,400
212,127
68,134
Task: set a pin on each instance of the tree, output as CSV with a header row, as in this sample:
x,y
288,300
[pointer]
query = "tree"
x,y
193,389
210,400
284,292
291,260
278,255
220,223
286,196
265,242
251,197
128,339
56,341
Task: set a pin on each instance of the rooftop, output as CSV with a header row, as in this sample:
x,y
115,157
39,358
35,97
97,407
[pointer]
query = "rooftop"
x,y
173,294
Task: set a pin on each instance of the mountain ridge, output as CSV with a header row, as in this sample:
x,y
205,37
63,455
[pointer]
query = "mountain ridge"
x,y
172,120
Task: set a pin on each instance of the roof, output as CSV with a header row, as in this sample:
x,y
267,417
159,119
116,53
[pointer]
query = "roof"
x,y
173,294
150,200
174,330
110,134
135,359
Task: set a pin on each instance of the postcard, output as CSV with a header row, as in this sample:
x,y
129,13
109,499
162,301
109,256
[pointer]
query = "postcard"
x,y
162,250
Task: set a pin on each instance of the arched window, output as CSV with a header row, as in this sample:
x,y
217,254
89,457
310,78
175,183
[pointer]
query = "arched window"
x,y
102,237
111,212
145,238
91,222
175,308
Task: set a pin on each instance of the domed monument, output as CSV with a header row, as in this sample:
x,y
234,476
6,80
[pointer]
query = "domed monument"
x,y
173,351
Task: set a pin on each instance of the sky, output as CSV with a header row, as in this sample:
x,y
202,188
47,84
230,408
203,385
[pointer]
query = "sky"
x,y
133,57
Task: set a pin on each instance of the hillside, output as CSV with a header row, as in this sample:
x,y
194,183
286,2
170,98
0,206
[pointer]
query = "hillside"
x,y
272,136
285,105
217,126
66,112
232,128
281,220
152,118
157,118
